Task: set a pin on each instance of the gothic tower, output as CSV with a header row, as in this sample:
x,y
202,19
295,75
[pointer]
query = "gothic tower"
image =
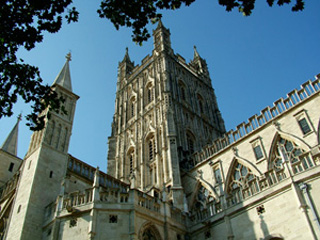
x,y
165,110
9,162
44,166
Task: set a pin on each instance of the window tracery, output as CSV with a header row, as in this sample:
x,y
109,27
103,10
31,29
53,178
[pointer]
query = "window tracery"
x,y
288,151
202,199
190,143
243,183
149,93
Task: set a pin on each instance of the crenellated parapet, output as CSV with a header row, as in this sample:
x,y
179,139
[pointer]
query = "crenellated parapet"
x,y
267,115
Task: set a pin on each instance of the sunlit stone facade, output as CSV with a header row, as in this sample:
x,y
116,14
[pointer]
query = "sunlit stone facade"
x,y
173,171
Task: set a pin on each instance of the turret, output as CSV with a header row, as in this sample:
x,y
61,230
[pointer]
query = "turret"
x,y
161,39
45,164
9,162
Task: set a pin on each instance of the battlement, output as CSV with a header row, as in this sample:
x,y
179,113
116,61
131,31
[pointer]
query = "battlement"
x,y
267,115
86,171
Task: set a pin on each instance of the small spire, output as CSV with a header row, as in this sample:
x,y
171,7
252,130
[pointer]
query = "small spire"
x,y
10,145
160,24
64,78
126,56
68,56
196,54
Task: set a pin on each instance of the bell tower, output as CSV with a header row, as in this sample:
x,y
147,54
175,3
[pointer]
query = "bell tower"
x,y
44,166
165,111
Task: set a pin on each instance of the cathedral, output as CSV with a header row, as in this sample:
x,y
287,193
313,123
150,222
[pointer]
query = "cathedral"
x,y
174,171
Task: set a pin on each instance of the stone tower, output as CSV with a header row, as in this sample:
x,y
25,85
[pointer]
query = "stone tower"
x,y
9,162
44,166
165,110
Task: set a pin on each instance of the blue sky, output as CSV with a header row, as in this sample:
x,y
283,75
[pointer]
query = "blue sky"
x,y
253,61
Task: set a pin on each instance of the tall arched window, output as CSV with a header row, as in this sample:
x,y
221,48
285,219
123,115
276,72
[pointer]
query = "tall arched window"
x,y
149,93
288,151
190,142
131,108
243,183
130,157
151,148
201,104
182,89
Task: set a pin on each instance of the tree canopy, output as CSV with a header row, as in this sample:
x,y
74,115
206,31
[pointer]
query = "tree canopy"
x,y
23,23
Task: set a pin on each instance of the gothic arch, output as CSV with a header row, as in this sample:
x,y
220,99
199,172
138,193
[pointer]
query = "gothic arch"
x,y
149,92
274,237
149,231
243,162
182,89
201,103
131,106
242,180
130,166
288,137
191,140
198,185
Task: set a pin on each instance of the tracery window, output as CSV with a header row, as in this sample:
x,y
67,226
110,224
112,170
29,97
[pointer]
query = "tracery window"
x,y
243,183
131,107
148,235
200,102
190,142
131,161
203,197
149,93
287,151
182,89
151,148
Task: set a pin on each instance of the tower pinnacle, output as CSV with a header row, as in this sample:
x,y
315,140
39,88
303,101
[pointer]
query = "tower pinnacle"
x,y
64,78
10,145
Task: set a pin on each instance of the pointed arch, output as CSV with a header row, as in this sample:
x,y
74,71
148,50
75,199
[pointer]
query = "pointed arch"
x,y
242,180
149,92
132,107
130,160
244,162
288,148
202,189
182,89
149,231
190,141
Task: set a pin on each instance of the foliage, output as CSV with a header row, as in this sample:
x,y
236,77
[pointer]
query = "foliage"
x,y
24,21
22,25
136,14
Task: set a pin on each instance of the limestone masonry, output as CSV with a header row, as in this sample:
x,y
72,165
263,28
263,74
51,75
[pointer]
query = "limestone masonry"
x,y
174,172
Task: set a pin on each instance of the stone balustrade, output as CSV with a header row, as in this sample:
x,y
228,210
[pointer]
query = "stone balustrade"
x,y
254,186
282,105
147,201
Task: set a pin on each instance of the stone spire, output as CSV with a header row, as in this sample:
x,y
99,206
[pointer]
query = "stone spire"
x,y
126,56
64,79
10,145
161,38
196,54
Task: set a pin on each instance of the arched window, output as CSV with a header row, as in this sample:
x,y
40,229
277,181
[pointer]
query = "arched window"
x,y
243,183
200,102
182,89
151,148
131,161
190,142
149,93
150,233
288,151
131,108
